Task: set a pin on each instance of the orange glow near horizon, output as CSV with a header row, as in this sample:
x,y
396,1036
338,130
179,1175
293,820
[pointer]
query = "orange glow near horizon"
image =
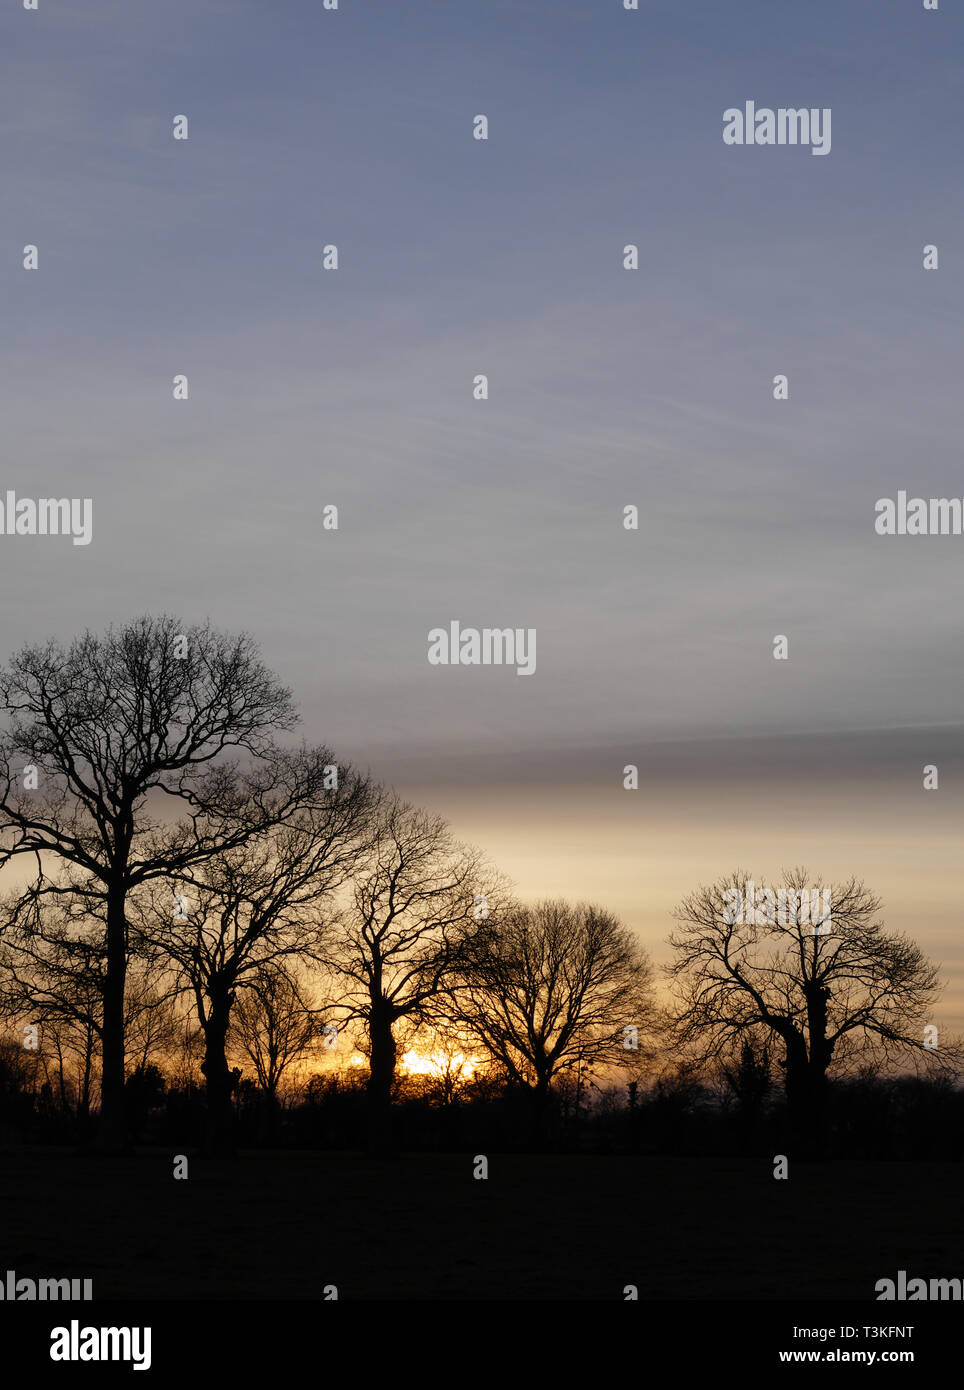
x,y
439,1064
439,1061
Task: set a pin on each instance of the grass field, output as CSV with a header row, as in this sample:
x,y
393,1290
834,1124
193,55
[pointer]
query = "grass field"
x,y
283,1225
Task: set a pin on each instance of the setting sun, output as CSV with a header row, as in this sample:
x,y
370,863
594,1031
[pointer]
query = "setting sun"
x,y
439,1063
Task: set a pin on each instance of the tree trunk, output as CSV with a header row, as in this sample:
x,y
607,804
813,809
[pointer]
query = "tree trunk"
x,y
219,1139
821,1053
806,1087
381,1080
113,1128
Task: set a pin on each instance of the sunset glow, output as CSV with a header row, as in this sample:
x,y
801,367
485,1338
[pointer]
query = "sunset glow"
x,y
439,1064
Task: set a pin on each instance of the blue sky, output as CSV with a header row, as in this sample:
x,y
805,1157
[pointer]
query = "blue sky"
x,y
504,257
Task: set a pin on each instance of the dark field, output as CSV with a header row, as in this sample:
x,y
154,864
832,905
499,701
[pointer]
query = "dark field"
x,y
283,1225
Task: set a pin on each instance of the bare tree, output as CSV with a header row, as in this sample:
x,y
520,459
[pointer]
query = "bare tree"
x,y
446,1062
251,909
52,971
277,1028
554,988
831,988
108,740
186,1055
66,1055
152,1021
52,962
418,899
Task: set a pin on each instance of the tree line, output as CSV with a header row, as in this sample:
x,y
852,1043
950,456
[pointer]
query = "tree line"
x,y
178,866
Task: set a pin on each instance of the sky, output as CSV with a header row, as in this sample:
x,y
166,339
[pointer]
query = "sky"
x,y
607,388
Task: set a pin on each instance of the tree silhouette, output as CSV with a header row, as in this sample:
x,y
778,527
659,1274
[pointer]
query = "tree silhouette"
x,y
52,972
108,740
276,1027
831,994
252,908
553,988
414,906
